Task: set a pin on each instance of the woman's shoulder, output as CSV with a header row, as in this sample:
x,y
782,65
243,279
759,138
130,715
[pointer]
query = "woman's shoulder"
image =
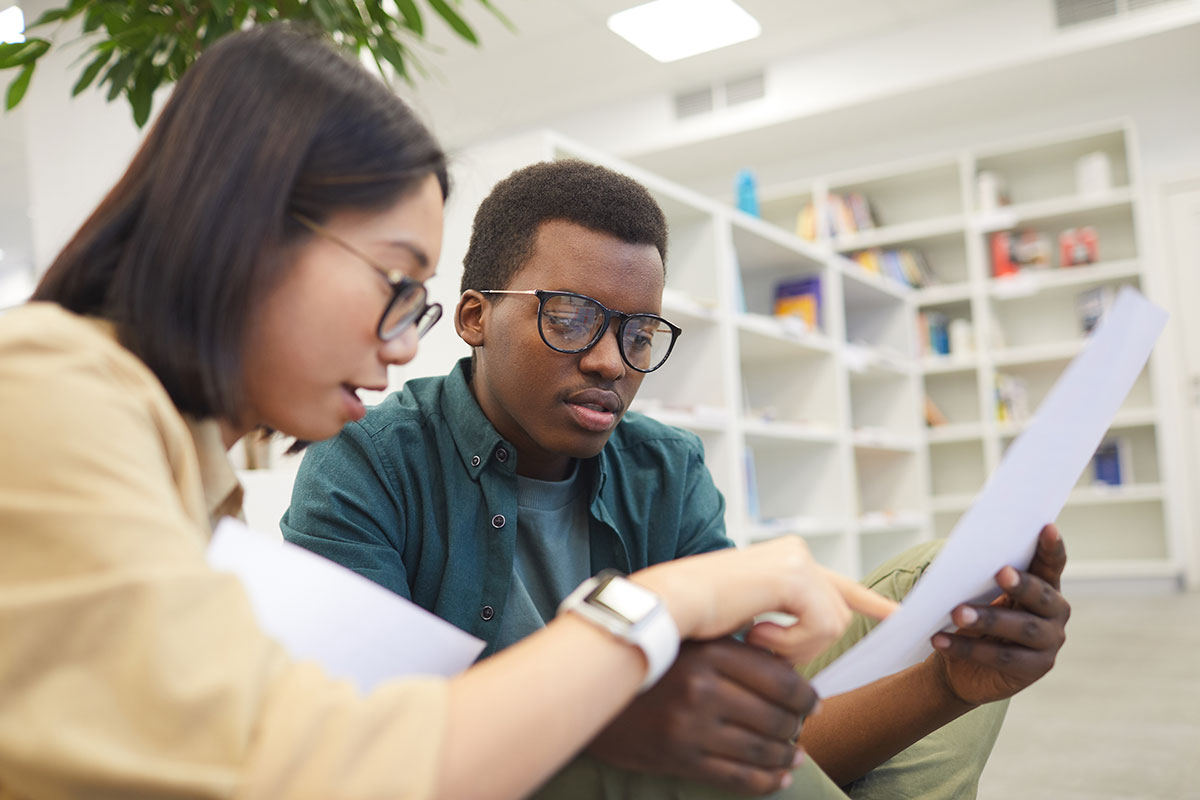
x,y
46,339
56,361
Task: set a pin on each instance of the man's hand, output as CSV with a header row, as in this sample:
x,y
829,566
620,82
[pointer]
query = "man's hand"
x,y
726,714
1003,647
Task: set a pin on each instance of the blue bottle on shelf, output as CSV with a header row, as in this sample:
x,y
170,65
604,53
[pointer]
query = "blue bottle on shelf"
x,y
747,193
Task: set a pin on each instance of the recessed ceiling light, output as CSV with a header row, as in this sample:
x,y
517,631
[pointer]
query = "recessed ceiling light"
x,y
669,30
12,25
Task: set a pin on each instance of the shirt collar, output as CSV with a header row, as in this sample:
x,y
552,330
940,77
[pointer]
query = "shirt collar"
x,y
222,492
476,438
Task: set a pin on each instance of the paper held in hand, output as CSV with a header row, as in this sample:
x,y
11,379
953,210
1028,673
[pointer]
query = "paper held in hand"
x,y
1026,492
320,611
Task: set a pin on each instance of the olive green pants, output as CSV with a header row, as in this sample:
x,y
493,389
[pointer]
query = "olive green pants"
x,y
946,764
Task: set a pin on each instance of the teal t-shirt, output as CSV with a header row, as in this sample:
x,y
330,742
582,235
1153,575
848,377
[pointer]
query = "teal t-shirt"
x,y
552,553
421,496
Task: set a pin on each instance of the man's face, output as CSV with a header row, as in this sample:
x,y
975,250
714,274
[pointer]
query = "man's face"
x,y
557,406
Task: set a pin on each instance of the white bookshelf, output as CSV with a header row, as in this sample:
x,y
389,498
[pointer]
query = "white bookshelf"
x,y
1025,326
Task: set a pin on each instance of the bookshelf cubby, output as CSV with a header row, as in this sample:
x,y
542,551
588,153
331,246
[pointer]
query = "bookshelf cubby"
x,y
821,432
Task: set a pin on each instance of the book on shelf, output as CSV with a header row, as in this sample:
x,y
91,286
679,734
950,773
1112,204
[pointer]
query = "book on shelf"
x,y
1012,398
849,213
806,222
933,333
752,508
1111,464
1091,305
906,265
933,415
800,298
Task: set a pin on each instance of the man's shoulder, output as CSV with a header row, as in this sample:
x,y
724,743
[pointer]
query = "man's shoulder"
x,y
413,405
638,431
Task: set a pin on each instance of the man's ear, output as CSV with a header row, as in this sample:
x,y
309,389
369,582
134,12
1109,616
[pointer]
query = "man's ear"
x,y
469,317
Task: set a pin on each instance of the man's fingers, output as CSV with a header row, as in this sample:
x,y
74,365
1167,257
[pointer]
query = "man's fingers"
x,y
773,679
1050,557
733,743
1009,659
1014,626
1034,594
861,599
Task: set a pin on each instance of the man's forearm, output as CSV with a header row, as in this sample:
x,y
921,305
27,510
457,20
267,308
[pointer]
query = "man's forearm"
x,y
857,731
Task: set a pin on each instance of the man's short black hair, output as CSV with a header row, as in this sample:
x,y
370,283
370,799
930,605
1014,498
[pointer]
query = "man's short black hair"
x,y
508,220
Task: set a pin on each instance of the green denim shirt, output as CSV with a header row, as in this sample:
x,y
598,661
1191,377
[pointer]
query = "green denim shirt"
x,y
420,496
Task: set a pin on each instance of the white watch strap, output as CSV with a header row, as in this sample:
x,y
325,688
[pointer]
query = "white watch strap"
x,y
655,634
659,640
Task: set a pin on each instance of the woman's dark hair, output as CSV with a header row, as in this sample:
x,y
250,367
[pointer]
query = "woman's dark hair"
x,y
507,222
268,121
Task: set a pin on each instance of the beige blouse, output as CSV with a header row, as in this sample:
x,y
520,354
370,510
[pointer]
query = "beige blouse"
x,y
128,668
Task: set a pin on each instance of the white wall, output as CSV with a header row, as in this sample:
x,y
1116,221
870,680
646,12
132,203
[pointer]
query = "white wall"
x,y
76,148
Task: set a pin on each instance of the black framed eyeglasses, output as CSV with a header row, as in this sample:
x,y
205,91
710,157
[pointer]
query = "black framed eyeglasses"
x,y
572,323
409,302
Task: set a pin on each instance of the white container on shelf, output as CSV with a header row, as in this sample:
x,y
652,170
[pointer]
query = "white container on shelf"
x,y
1093,173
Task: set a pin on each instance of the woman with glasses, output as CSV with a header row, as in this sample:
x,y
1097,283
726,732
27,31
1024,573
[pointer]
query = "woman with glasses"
x,y
260,261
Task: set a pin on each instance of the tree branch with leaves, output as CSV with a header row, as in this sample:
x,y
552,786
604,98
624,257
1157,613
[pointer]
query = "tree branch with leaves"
x,y
135,47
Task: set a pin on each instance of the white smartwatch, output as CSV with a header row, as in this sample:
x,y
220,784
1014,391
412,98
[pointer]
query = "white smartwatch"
x,y
630,612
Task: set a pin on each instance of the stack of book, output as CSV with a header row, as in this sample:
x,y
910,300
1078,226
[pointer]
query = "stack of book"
x,y
849,213
906,265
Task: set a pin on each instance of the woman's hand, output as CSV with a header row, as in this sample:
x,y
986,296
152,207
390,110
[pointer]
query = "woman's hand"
x,y
715,594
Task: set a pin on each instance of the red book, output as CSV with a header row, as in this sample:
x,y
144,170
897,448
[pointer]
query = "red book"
x,y
1002,263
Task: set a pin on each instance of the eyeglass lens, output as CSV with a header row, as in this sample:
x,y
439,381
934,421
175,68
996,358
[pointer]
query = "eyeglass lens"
x,y
408,307
571,323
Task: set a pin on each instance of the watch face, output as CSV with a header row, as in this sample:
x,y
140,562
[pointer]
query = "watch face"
x,y
625,599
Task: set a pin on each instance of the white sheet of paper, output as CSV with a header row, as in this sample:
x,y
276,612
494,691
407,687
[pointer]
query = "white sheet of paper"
x,y
1027,491
320,611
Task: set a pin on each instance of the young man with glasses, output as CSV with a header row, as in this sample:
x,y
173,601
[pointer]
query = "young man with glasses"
x,y
488,494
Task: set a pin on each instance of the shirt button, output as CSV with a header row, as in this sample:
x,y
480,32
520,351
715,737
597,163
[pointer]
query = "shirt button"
x,y
474,461
487,613
502,455
498,521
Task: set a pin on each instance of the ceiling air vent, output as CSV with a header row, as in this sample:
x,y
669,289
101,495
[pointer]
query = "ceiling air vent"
x,y
745,89
1077,12
694,103
708,99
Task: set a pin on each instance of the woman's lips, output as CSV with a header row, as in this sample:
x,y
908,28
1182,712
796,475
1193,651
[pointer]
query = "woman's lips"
x,y
352,406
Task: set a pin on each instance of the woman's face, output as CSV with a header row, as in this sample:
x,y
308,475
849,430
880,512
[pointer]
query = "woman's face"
x,y
313,343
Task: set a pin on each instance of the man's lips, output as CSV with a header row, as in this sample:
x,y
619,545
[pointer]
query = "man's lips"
x,y
597,400
596,410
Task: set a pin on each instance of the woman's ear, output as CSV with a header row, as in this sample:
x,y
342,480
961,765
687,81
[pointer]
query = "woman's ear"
x,y
469,317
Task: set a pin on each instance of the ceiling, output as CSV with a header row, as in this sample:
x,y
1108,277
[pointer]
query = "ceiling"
x,y
563,59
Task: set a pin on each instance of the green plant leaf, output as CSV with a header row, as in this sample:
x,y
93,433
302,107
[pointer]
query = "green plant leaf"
x,y
222,7
454,20
18,54
118,75
412,16
91,71
324,13
92,19
499,15
141,96
52,15
16,89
